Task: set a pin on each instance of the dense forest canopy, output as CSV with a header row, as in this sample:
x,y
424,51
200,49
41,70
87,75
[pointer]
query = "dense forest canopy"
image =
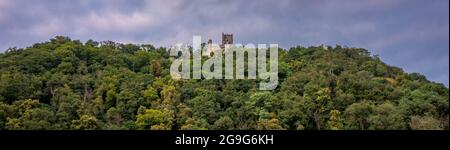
x,y
67,84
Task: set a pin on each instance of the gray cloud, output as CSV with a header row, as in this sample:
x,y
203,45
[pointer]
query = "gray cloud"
x,y
412,34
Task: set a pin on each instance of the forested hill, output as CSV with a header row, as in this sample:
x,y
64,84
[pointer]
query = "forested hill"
x,y
67,84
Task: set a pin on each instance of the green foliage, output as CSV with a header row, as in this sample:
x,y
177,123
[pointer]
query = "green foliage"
x,y
272,124
356,115
86,122
154,119
224,123
195,124
424,123
31,115
386,117
335,120
67,84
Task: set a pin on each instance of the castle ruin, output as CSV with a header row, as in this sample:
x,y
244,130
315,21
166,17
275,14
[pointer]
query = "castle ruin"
x,y
226,39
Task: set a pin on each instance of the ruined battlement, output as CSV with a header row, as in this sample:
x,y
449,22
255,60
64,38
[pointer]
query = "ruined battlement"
x,y
227,39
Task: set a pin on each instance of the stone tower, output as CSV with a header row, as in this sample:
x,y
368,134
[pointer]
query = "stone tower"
x,y
226,39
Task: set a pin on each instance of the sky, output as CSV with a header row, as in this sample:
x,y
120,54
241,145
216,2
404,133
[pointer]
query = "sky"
x,y
410,34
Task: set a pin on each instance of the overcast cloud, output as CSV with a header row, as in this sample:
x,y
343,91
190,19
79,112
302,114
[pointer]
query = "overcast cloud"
x,y
411,34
